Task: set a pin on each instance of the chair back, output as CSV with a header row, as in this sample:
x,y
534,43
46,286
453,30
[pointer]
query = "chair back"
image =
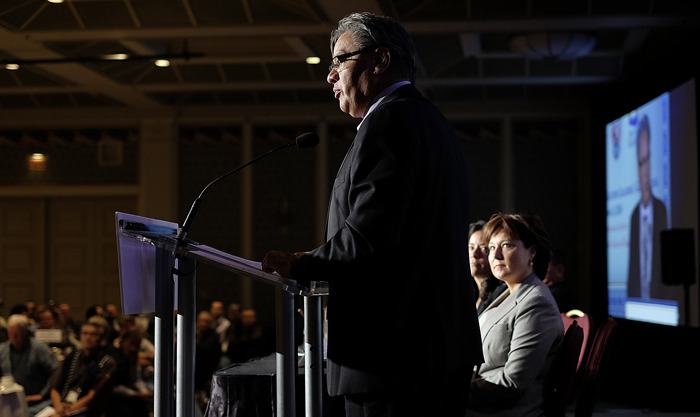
x,y
584,320
593,370
559,383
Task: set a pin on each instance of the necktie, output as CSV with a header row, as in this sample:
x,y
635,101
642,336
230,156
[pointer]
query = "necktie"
x,y
645,272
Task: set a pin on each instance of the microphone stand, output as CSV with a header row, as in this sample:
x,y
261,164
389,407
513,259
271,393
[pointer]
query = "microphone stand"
x,y
189,219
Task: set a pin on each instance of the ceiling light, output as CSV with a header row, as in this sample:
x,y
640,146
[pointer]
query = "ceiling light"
x,y
313,60
162,63
116,57
37,162
12,67
56,1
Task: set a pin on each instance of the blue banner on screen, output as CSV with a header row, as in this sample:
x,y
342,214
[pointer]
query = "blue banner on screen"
x,y
651,183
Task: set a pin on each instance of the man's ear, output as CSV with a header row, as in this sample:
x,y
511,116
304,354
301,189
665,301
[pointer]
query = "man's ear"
x,y
383,61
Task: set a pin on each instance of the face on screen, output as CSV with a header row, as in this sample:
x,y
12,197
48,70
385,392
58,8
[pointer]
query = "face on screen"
x,y
644,166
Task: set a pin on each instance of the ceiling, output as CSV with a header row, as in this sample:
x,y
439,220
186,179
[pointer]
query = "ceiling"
x,y
252,52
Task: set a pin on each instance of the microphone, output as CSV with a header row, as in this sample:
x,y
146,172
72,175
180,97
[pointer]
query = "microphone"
x,y
303,141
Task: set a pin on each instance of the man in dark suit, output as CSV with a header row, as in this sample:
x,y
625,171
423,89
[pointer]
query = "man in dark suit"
x,y
649,218
403,336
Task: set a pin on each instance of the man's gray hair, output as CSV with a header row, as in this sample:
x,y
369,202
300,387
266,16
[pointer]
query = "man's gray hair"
x,y
369,30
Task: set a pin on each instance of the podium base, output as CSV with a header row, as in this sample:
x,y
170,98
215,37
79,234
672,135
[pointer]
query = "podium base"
x,y
248,389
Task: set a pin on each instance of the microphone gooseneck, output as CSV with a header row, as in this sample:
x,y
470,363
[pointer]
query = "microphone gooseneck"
x,y
305,140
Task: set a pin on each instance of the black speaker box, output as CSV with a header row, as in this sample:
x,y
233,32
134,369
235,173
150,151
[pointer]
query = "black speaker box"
x,y
678,256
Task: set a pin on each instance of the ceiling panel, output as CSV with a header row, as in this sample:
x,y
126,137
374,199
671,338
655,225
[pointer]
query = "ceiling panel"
x,y
160,13
253,51
218,12
104,14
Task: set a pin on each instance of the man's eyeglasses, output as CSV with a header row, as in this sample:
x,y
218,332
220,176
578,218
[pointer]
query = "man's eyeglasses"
x,y
339,59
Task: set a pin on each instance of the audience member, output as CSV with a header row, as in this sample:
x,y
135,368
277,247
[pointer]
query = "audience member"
x,y
250,342
207,357
131,396
101,322
19,309
233,314
488,287
94,310
111,314
3,330
50,332
557,283
221,323
31,308
146,351
67,321
30,363
521,329
83,379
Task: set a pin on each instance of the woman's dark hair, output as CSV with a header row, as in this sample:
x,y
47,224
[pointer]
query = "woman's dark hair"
x,y
475,227
527,228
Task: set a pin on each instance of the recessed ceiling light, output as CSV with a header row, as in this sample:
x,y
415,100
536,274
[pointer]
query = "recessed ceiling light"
x,y
313,60
116,57
162,63
12,67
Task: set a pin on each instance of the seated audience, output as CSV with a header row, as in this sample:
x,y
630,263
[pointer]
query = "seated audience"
x,y
50,332
111,314
487,285
20,309
557,283
67,321
233,314
30,363
131,395
208,353
521,330
82,382
249,342
221,323
3,330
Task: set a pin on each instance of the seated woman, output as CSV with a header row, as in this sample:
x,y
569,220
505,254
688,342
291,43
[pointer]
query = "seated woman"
x,y
488,286
521,329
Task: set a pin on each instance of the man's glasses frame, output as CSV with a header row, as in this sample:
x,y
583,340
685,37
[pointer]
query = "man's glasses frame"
x,y
339,59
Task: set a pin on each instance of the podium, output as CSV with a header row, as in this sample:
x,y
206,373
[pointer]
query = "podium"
x,y
157,275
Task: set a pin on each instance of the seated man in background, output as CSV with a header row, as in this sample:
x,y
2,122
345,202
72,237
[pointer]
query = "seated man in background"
x,y
207,356
84,377
49,330
249,342
131,395
555,278
30,362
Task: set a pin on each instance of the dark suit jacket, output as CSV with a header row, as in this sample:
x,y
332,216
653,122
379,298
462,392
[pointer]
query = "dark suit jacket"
x,y
400,303
657,289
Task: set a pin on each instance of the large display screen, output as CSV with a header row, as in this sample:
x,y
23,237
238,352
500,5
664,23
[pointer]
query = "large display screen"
x,y
652,185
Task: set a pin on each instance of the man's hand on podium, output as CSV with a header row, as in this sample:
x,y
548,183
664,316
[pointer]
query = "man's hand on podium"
x,y
279,261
